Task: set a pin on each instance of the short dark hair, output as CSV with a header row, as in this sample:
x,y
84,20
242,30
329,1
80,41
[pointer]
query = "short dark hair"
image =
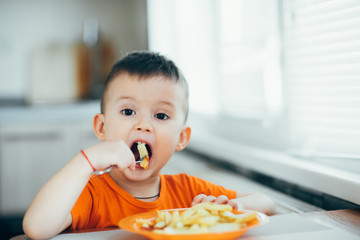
x,y
145,64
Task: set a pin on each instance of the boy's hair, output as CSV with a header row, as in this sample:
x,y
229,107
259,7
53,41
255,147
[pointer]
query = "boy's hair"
x,y
145,64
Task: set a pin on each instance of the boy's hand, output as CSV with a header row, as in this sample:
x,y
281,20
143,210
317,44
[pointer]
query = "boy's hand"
x,y
218,200
106,154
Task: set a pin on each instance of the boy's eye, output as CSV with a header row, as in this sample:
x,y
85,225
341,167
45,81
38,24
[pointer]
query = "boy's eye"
x,y
161,116
127,112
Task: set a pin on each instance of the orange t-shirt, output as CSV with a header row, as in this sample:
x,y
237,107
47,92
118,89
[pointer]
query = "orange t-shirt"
x,y
103,203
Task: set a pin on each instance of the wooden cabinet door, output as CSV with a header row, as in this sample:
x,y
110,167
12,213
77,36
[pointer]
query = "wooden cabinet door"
x,y
29,156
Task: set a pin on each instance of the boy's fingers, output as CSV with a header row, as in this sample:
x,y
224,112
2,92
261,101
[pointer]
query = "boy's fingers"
x,y
209,199
132,162
221,200
218,200
132,167
198,199
125,161
235,203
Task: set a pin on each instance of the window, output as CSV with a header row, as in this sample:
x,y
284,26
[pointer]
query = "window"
x,y
248,59
229,52
224,49
322,79
278,74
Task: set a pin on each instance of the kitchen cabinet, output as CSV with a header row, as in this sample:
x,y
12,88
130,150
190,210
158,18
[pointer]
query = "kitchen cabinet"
x,y
31,152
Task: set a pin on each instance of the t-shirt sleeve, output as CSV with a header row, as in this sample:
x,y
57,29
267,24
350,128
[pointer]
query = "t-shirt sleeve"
x,y
81,212
200,186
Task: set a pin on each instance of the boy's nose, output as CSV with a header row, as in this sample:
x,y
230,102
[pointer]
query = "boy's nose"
x,y
144,126
141,129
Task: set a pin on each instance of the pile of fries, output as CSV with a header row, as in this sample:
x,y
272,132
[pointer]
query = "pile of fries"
x,y
201,218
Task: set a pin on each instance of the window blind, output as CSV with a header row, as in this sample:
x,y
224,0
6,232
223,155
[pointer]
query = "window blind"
x,y
247,36
321,71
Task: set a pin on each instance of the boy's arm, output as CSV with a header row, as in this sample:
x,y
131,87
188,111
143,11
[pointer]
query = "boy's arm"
x,y
250,201
49,212
255,201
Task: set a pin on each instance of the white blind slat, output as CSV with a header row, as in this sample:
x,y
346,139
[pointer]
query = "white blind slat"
x,y
322,77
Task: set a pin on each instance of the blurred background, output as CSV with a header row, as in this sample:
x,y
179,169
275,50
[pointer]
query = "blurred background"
x,y
274,87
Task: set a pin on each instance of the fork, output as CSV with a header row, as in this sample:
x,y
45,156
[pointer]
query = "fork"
x,y
99,172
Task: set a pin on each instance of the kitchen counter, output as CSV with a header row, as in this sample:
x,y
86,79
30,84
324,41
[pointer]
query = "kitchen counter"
x,y
315,225
49,112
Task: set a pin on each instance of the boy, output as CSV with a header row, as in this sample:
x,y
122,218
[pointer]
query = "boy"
x,y
145,102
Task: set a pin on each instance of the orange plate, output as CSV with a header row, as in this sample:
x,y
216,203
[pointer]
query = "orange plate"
x,y
129,224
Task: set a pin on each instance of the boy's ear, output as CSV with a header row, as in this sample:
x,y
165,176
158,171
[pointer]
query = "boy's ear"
x,y
98,125
184,138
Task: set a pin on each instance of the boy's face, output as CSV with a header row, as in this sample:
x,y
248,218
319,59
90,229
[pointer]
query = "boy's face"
x,y
150,111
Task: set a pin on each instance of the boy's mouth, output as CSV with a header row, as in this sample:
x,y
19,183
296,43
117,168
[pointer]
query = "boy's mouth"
x,y
134,149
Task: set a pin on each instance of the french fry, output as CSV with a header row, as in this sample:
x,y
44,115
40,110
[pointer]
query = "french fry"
x,y
142,149
201,218
144,155
145,223
145,163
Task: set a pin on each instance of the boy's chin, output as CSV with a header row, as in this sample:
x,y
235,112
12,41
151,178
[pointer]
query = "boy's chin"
x,y
137,175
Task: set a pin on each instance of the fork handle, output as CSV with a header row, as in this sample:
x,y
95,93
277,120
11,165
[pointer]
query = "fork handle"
x,y
102,171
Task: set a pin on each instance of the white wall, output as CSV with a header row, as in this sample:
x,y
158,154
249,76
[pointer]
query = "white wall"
x,y
27,26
